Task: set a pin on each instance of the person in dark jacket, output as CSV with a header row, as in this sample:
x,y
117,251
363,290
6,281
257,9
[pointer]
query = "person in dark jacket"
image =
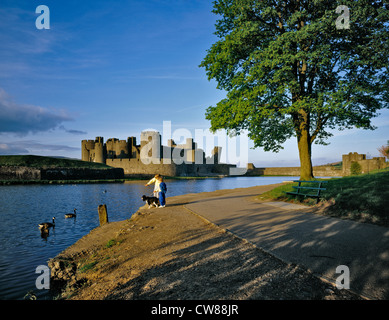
x,y
162,192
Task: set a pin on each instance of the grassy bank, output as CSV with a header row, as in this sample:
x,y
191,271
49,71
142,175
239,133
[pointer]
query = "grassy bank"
x,y
48,162
362,198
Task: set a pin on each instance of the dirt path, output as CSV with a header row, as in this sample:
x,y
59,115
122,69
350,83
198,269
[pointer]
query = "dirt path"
x,y
171,254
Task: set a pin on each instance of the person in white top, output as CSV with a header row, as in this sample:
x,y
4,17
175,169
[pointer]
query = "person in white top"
x,y
156,185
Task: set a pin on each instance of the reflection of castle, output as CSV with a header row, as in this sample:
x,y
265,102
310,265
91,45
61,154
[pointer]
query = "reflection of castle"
x,y
150,157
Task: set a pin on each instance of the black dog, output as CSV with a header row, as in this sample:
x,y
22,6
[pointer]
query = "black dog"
x,y
151,201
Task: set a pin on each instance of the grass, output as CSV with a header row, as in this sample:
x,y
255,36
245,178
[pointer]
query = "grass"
x,y
88,266
110,243
48,162
362,197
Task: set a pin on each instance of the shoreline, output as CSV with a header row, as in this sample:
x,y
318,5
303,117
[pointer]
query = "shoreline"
x,y
124,180
87,181
159,252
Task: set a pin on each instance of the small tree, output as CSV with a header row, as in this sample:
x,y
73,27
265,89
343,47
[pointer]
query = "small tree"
x,y
355,168
288,70
384,150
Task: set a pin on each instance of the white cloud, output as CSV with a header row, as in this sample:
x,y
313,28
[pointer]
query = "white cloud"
x,y
22,119
32,147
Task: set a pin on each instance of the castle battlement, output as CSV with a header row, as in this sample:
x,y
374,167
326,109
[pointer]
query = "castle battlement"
x,y
151,157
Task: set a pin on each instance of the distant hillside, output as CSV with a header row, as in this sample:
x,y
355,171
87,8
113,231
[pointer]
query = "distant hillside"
x,y
48,162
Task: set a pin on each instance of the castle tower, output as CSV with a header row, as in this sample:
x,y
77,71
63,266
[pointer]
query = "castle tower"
x,y
110,148
190,151
131,141
347,159
122,151
87,150
216,153
150,147
99,150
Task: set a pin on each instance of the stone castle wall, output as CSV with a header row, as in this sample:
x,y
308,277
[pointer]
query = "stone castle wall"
x,y
367,165
151,157
318,171
133,167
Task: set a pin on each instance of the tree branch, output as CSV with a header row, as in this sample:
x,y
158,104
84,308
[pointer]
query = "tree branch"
x,y
321,121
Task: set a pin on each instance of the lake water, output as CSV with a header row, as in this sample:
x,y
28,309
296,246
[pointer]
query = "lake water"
x,y
23,207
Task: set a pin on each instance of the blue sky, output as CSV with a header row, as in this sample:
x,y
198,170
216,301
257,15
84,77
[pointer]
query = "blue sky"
x,y
113,69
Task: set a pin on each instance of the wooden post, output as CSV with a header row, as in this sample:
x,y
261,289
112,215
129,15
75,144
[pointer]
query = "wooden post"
x,y
103,215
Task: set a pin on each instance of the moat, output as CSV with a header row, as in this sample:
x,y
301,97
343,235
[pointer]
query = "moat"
x,y
25,206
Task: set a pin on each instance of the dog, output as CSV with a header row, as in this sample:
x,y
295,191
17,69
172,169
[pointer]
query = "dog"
x,y
151,201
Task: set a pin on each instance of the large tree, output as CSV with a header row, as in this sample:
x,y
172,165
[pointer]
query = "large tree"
x,y
295,68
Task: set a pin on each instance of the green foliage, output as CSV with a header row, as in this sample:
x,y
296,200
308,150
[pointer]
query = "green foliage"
x,y
88,266
110,243
355,168
288,71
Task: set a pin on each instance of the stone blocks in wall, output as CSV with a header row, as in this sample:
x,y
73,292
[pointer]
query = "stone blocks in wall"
x,y
367,165
318,171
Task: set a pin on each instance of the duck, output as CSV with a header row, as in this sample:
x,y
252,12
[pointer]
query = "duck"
x,y
47,225
71,215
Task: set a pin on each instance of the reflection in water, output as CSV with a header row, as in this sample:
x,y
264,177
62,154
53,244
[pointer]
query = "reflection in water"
x,y
44,233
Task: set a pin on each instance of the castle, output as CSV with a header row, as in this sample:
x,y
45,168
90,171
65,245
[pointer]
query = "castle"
x,y
366,165
151,157
344,169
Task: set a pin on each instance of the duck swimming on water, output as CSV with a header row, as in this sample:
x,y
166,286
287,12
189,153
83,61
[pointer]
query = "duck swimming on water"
x,y
47,225
71,215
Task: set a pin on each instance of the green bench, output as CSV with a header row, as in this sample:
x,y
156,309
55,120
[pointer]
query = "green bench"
x,y
312,191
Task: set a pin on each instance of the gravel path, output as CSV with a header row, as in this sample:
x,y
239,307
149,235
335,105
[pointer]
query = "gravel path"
x,y
172,254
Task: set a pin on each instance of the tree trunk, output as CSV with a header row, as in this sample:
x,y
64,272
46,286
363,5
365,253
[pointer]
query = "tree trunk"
x,y
304,146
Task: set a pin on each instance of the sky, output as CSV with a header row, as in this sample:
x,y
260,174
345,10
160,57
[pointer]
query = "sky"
x,y
116,68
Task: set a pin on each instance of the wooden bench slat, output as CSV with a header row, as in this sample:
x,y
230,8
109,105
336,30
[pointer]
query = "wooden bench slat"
x,y
300,187
303,194
311,181
296,187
